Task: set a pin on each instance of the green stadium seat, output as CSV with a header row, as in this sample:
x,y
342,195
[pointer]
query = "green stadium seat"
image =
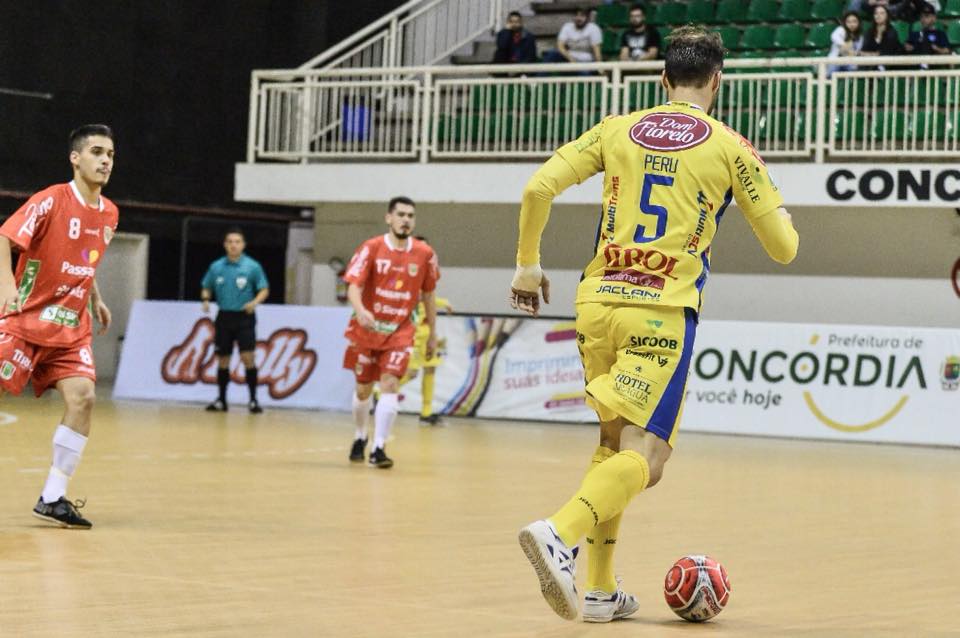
x,y
642,95
783,126
889,125
902,29
730,36
611,42
826,9
951,9
762,10
700,11
730,11
490,97
953,33
849,125
612,15
930,124
851,92
789,36
819,35
758,36
669,13
794,11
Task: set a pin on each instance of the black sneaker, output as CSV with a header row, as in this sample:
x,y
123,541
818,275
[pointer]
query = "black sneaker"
x,y
255,407
62,512
433,419
217,406
356,452
379,458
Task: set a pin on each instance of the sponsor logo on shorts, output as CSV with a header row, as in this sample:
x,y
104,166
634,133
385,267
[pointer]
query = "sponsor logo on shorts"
x,y
670,132
61,316
7,370
628,294
660,360
634,277
653,342
632,388
78,271
21,359
286,361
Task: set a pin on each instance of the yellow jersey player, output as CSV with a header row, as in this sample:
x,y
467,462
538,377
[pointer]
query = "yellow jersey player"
x,y
422,358
670,173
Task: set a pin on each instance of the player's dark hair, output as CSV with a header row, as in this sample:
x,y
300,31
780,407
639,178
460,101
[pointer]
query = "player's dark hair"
x,y
581,11
234,230
80,134
693,56
400,199
515,13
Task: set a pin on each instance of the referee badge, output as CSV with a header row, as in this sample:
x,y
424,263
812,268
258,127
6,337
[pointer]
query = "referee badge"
x,y
241,282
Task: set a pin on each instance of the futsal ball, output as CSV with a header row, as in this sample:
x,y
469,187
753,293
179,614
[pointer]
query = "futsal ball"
x,y
696,588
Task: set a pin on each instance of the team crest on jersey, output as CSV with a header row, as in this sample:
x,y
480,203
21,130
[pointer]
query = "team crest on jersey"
x,y
670,132
107,234
412,269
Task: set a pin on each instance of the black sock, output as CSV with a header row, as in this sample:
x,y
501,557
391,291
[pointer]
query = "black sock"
x,y
223,379
252,383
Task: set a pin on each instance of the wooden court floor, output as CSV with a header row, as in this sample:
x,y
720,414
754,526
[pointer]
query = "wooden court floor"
x,y
234,525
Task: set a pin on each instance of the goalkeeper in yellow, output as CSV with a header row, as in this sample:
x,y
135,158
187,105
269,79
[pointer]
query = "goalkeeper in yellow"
x,y
669,174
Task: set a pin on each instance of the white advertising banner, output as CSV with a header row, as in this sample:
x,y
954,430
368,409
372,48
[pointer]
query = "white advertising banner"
x,y
857,383
860,383
168,354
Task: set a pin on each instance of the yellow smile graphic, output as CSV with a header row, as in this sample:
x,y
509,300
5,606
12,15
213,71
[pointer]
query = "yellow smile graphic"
x,y
830,423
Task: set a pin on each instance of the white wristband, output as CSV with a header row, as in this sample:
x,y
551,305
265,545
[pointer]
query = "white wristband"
x,y
527,278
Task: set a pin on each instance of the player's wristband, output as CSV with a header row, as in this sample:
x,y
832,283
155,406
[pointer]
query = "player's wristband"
x,y
527,278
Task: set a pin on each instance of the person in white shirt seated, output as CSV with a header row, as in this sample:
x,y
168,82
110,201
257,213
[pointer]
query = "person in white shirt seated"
x,y
578,41
846,41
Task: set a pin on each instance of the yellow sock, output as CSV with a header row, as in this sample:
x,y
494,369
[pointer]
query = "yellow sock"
x,y
426,390
602,541
604,493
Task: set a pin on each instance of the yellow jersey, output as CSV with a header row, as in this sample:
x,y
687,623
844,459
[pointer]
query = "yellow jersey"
x,y
670,173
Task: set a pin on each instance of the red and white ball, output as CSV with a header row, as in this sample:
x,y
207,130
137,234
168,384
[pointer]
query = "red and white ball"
x,y
696,588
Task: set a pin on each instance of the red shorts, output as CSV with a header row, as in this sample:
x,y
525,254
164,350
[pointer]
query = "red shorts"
x,y
21,361
369,365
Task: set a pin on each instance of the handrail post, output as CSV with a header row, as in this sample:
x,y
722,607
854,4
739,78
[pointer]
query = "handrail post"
x,y
616,80
821,112
394,46
426,126
305,119
252,119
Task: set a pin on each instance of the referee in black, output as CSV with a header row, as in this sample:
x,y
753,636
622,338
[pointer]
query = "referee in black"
x,y
239,285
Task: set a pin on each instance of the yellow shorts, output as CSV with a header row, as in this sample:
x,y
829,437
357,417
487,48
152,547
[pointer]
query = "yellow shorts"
x,y
418,358
636,360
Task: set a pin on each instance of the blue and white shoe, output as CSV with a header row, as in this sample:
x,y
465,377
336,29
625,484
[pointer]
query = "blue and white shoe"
x,y
554,564
601,606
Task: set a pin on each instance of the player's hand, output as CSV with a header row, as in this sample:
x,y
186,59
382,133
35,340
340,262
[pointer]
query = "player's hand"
x,y
365,318
104,317
249,307
205,305
10,298
525,289
431,345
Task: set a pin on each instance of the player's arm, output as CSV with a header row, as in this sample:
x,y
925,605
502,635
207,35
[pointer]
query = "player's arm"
x,y
355,297
429,300
263,291
206,289
776,234
571,164
100,310
9,295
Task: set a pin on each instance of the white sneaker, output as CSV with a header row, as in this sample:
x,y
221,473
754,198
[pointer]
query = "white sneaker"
x,y
601,606
554,564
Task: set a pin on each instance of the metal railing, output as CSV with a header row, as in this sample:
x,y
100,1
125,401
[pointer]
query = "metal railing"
x,y
788,108
420,32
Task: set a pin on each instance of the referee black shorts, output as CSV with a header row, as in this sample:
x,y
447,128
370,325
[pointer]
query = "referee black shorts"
x,y
234,327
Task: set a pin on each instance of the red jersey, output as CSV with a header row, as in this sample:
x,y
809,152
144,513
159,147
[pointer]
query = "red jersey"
x,y
391,279
61,241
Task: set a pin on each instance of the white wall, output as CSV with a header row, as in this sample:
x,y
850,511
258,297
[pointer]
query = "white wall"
x,y
122,279
876,301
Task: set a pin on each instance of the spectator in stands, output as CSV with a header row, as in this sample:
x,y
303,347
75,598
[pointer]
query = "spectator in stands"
x,y
929,40
639,42
901,9
578,41
847,40
882,38
515,45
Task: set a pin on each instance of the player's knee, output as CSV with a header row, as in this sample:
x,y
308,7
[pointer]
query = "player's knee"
x,y
364,392
81,399
389,385
656,472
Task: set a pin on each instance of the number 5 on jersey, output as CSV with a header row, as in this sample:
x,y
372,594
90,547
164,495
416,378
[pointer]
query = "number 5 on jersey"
x,y
649,181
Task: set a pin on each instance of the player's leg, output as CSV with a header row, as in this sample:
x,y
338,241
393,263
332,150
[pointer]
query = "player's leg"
x,y
365,370
427,386
223,338
69,441
388,405
247,343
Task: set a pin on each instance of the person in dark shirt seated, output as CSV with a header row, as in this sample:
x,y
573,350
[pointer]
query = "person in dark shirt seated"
x,y
639,42
515,45
929,40
882,38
